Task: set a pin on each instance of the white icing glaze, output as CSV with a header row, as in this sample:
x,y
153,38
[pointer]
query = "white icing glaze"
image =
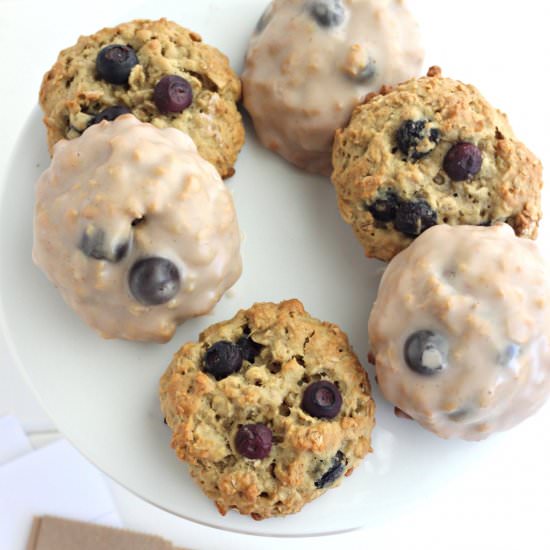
x,y
487,292
116,173
300,80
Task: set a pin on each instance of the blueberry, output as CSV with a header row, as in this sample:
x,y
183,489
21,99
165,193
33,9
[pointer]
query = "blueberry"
x,y
463,161
509,357
115,62
368,72
154,281
264,20
172,94
412,218
327,13
336,469
384,209
417,138
110,113
93,244
322,399
460,415
425,352
254,440
249,348
222,359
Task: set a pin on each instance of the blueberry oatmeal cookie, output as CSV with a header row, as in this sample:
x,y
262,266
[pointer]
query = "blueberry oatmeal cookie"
x,y
269,409
460,330
431,151
135,229
310,62
160,72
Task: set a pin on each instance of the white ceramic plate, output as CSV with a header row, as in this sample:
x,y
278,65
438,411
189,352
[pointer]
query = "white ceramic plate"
x,y
103,394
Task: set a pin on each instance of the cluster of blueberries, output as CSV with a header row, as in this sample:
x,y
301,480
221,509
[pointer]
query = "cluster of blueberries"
x,y
114,63
321,399
416,139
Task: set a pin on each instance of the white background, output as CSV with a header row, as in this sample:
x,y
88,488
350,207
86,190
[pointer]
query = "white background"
x,y
502,47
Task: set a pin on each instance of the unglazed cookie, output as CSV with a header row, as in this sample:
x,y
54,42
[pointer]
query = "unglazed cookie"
x,y
136,230
432,151
310,62
157,70
269,409
460,330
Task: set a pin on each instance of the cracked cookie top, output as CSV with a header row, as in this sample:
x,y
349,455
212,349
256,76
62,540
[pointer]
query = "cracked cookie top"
x,y
160,72
269,409
430,151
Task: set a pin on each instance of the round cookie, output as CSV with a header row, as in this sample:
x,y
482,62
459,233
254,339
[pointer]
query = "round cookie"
x,y
79,88
136,230
460,330
431,151
246,387
310,62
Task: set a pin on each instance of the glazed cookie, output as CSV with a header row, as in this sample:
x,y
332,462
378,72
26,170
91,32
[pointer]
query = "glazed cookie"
x,y
460,330
269,409
158,71
431,151
310,62
135,229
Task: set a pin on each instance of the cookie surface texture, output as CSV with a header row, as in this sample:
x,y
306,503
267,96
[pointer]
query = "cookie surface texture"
x,y
460,330
136,230
429,151
73,92
284,352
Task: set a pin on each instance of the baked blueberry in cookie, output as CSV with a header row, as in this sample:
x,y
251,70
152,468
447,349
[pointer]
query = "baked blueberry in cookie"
x,y
335,470
222,359
417,138
154,281
463,161
249,348
414,217
327,13
322,399
94,244
115,62
109,113
385,207
409,217
269,409
160,72
264,19
430,151
172,94
254,441
425,352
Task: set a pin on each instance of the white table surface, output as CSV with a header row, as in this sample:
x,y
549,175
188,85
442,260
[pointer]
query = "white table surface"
x,y
31,34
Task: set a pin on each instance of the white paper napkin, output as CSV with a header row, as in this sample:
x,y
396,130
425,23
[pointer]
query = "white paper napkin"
x,y
54,480
13,441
